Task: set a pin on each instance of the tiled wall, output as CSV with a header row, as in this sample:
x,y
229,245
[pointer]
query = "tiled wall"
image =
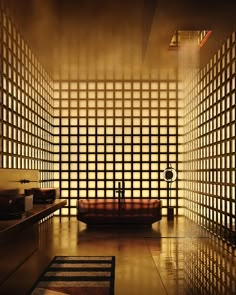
x,y
115,131
127,131
26,101
207,268
209,137
105,131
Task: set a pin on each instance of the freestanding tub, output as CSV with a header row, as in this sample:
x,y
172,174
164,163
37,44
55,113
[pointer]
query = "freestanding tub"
x,y
110,211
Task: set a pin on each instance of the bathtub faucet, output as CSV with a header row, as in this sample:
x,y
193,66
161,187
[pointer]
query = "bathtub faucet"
x,y
120,191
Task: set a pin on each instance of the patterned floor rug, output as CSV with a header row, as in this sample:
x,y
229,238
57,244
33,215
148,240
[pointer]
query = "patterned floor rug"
x,y
84,275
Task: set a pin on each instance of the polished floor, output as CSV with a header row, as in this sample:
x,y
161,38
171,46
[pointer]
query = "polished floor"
x,y
172,257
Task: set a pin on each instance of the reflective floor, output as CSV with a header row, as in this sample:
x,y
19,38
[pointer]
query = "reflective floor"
x,y
193,266
172,257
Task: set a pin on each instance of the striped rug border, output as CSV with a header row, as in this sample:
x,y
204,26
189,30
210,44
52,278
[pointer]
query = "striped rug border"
x,y
82,260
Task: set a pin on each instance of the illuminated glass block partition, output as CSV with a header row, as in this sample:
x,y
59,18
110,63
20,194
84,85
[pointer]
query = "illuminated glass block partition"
x,y
115,131
26,106
209,128
208,268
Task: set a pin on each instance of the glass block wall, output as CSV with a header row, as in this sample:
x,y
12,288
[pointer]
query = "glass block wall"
x,y
26,117
209,144
108,132
208,268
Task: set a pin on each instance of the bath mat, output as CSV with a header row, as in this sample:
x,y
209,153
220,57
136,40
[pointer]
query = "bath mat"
x,y
84,275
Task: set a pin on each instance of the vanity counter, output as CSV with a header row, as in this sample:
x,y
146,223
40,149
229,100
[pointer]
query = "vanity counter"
x,y
19,238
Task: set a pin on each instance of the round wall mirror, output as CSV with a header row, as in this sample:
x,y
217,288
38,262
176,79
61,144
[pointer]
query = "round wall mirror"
x,y
169,174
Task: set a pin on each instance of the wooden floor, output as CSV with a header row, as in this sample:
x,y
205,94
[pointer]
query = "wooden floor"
x,y
172,257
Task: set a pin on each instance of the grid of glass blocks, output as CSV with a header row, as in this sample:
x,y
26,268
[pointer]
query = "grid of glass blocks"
x,y
108,132
26,106
209,130
208,268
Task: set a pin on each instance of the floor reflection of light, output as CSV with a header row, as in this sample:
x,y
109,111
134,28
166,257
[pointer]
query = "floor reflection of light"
x,y
194,266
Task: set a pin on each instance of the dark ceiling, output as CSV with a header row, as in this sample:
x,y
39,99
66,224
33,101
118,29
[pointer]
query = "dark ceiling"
x,y
119,39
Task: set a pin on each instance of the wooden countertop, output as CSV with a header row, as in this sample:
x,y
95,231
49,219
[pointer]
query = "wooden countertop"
x,y
9,227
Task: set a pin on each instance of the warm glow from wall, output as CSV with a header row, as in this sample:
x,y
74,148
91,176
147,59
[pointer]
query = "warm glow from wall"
x,y
209,142
115,131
